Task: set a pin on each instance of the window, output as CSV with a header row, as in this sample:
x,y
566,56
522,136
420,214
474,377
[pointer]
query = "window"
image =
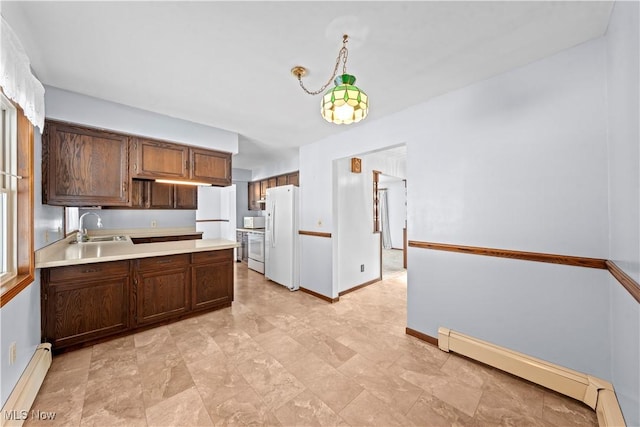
x,y
16,200
8,190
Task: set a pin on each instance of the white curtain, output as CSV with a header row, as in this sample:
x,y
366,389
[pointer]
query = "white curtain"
x,y
16,79
384,218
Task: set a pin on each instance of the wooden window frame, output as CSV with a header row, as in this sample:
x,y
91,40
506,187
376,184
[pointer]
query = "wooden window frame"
x,y
25,261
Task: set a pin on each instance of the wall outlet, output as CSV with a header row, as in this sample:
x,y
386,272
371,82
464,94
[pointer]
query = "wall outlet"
x,y
361,268
319,223
154,223
12,353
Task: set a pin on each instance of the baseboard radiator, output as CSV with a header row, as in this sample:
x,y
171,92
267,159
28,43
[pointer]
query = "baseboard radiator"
x,y
16,410
594,392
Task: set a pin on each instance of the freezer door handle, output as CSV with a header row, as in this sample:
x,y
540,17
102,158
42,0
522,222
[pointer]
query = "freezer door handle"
x,y
273,225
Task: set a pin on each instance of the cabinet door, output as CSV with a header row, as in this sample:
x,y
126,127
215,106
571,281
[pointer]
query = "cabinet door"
x,y
79,310
210,166
186,197
84,166
161,294
281,180
273,182
212,279
160,196
254,195
293,179
139,193
158,159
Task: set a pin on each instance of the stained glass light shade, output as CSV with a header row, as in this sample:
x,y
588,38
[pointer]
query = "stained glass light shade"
x,y
345,103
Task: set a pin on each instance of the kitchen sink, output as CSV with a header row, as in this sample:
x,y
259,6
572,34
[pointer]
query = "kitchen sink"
x,y
103,239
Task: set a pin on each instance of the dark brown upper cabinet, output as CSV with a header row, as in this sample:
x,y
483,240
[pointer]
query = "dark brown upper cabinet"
x,y
158,159
152,159
84,166
258,189
158,195
210,166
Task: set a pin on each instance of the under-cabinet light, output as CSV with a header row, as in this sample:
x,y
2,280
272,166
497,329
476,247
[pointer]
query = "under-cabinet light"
x,y
173,181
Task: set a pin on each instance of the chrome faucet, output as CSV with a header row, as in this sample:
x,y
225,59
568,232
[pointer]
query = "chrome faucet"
x,y
82,233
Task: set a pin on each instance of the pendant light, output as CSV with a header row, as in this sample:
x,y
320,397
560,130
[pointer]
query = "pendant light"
x,y
345,103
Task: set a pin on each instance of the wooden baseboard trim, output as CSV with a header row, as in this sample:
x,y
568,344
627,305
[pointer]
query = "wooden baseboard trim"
x,y
317,295
355,288
424,337
506,253
625,280
314,233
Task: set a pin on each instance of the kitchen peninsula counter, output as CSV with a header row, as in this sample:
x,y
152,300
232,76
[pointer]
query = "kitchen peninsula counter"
x,y
66,253
94,291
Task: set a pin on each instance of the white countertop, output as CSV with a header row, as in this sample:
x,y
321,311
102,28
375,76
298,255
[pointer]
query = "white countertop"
x,y
63,253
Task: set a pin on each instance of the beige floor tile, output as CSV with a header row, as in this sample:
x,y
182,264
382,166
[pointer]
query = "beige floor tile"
x,y
196,344
183,409
367,410
163,377
114,402
63,394
561,411
217,380
281,346
273,383
237,345
390,389
329,384
73,360
306,409
243,409
431,411
325,347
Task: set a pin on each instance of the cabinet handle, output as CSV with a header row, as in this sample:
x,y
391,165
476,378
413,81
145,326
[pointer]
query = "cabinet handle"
x,y
124,187
135,167
187,165
135,281
164,261
90,270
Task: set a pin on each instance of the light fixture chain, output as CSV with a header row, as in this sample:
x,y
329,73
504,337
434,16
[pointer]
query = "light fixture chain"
x,y
342,54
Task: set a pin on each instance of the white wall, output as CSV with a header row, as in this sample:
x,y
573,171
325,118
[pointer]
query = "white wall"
x,y
516,162
624,200
289,162
76,108
355,243
20,317
140,218
241,178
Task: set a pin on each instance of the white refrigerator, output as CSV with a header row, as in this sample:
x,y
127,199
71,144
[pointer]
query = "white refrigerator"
x,y
281,237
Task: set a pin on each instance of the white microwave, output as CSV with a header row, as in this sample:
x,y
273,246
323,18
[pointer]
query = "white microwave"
x,y
254,222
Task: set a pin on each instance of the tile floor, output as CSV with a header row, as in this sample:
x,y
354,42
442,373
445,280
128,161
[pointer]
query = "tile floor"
x,y
287,358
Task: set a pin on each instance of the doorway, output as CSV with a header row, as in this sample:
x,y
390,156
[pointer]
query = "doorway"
x,y
392,206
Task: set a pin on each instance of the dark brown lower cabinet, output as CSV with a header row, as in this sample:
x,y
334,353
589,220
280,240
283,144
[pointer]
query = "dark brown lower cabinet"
x,y
85,304
211,279
161,288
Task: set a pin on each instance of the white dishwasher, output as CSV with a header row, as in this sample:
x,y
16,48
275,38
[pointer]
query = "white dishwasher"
x,y
256,251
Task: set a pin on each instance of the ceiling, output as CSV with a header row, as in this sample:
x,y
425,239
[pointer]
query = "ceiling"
x,y
227,64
